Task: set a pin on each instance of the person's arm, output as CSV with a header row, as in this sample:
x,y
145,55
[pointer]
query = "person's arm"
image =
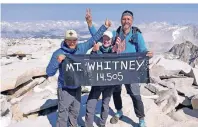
x,y
52,66
93,52
96,52
87,45
96,49
88,18
92,30
91,27
141,43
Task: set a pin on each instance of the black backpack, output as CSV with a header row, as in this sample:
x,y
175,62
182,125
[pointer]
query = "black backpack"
x,y
134,38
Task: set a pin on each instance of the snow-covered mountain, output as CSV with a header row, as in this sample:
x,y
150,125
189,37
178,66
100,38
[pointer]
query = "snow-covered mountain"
x,y
163,31
159,36
41,29
186,52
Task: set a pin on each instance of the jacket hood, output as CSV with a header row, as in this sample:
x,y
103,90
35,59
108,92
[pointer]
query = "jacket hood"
x,y
67,49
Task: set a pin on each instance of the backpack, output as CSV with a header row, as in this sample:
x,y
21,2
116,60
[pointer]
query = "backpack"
x,y
134,38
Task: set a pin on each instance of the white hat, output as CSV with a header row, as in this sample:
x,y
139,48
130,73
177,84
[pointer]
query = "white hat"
x,y
108,33
71,34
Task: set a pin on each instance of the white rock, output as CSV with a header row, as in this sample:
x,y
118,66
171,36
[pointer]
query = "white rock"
x,y
158,81
184,114
5,61
168,100
154,60
28,87
184,85
181,81
20,72
47,85
41,121
144,91
5,105
154,116
16,100
38,55
174,65
37,101
4,48
157,71
14,76
6,113
184,101
155,88
194,74
6,120
40,80
184,124
23,49
194,102
160,71
191,113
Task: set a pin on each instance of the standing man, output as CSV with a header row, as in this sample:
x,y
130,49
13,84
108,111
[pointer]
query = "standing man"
x,y
69,96
128,39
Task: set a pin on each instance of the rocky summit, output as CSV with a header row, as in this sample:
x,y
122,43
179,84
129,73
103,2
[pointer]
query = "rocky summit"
x,y
29,99
187,52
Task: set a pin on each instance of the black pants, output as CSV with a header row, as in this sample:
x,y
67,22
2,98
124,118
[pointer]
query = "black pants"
x,y
68,107
134,91
92,101
117,97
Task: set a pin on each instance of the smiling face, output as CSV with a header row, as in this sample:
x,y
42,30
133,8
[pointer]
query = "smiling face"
x,y
126,22
106,41
71,43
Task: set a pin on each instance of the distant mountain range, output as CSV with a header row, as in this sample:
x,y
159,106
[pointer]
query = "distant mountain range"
x,y
159,36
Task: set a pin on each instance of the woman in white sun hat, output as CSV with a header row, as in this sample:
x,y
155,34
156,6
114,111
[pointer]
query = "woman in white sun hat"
x,y
103,47
100,48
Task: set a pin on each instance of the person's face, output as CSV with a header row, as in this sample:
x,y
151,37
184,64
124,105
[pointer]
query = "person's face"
x,y
71,43
126,22
106,41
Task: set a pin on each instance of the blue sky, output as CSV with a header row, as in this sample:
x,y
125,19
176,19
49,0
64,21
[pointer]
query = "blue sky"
x,y
172,13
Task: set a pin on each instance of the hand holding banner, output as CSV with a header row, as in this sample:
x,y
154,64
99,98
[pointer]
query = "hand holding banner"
x,y
105,69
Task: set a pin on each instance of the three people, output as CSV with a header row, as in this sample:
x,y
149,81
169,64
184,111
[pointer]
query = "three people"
x,y
69,97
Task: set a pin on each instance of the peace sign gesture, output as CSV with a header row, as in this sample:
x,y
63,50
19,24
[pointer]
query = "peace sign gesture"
x,y
88,17
107,23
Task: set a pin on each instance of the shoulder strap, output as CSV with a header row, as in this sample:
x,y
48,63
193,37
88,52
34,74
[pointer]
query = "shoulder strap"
x,y
134,37
136,29
118,30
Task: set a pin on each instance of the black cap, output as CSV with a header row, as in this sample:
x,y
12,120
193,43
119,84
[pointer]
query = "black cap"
x,y
127,12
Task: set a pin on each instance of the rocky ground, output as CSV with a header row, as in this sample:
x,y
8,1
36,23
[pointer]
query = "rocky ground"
x,y
29,99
